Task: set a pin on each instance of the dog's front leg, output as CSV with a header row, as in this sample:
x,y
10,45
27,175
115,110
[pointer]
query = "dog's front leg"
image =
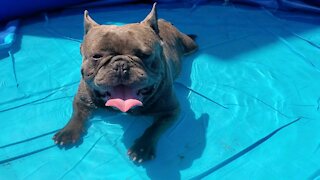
x,y
144,147
72,131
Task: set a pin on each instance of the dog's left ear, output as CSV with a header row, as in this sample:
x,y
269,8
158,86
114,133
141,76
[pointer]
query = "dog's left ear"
x,y
152,19
88,22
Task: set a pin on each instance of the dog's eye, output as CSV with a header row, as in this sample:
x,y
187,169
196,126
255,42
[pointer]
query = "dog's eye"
x,y
97,56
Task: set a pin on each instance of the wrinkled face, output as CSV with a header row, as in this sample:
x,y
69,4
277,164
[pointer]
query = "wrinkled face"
x,y
122,61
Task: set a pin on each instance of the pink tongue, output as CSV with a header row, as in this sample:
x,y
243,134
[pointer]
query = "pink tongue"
x,y
123,98
122,105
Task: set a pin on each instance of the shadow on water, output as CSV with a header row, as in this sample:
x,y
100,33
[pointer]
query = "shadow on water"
x,y
185,141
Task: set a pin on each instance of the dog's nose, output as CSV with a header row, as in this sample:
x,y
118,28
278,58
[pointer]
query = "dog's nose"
x,y
121,67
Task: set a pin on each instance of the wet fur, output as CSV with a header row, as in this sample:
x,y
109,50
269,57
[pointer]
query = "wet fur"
x,y
169,45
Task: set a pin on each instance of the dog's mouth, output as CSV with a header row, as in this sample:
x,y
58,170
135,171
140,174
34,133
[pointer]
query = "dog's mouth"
x,y
125,98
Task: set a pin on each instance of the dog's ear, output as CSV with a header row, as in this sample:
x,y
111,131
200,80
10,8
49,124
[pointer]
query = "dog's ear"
x,y
152,19
88,22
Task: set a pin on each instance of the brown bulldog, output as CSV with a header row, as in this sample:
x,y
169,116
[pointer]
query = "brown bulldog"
x,y
130,68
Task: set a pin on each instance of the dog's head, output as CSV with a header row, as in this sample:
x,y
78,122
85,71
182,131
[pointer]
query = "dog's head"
x,y
123,62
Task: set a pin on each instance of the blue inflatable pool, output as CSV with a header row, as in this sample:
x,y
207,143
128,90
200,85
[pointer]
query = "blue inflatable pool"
x,y
250,98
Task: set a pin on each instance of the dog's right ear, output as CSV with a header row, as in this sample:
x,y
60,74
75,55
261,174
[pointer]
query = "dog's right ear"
x,y
88,22
152,19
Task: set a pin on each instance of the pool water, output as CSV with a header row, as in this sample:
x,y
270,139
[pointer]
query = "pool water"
x,y
250,99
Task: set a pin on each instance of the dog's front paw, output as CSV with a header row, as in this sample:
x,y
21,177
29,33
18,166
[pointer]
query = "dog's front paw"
x,y
67,136
142,150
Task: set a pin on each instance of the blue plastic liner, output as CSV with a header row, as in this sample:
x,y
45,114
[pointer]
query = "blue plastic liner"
x,y
312,6
250,99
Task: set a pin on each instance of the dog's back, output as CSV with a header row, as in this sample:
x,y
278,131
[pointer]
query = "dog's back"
x,y
175,45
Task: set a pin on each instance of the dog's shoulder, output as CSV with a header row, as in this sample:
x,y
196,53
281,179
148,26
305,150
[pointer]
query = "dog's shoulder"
x,y
175,38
